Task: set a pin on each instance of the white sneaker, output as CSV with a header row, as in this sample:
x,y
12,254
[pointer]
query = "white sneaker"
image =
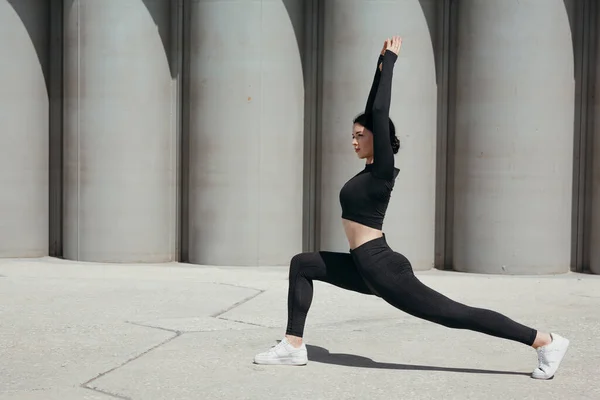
x,y
550,356
283,354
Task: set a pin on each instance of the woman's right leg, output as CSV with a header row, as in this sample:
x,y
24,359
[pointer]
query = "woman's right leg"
x,y
337,269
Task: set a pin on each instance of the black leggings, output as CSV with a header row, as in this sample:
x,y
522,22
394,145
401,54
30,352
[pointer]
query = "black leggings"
x,y
375,269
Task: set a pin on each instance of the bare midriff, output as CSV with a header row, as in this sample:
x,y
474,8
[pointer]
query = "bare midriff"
x,y
358,234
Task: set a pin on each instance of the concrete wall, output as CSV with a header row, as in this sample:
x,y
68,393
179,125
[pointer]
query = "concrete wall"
x,y
595,188
223,129
246,127
353,37
514,137
119,152
23,129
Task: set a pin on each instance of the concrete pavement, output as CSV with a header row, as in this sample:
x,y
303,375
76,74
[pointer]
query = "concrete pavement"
x,y
73,330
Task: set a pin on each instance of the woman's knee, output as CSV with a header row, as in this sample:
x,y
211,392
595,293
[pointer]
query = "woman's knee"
x,y
300,262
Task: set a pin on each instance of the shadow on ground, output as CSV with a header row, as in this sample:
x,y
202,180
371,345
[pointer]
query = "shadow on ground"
x,y
321,355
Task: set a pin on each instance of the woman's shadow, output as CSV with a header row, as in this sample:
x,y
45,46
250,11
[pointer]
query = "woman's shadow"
x,y
321,355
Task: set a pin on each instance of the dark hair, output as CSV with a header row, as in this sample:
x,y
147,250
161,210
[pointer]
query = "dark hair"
x,y
366,120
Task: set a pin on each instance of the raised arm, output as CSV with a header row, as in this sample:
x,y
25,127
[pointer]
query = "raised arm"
x,y
383,163
374,86
376,79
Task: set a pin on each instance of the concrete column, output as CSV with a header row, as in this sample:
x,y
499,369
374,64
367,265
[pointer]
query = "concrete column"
x,y
246,125
120,187
23,128
514,137
595,181
354,34
595,216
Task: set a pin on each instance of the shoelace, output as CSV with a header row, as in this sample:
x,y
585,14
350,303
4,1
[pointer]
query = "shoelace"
x,y
544,362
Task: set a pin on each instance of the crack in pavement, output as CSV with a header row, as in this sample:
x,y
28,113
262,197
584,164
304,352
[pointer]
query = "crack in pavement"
x,y
114,395
85,385
235,286
195,331
239,303
241,322
154,327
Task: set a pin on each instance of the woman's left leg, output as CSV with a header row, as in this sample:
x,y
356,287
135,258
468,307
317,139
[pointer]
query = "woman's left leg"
x,y
396,283
390,275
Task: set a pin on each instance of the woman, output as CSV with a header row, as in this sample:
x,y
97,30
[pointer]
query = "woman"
x,y
371,267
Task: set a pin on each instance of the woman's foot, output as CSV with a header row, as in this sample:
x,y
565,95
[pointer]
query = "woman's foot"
x,y
550,357
283,353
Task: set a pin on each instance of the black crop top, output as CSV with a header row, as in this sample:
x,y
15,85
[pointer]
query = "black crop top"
x,y
365,197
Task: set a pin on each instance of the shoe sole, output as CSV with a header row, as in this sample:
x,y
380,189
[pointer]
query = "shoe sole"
x,y
284,361
543,377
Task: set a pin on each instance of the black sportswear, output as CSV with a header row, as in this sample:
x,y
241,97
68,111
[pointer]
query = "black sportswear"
x,y
375,269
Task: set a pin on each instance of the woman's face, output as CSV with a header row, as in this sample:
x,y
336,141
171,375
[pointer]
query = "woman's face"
x,y
362,141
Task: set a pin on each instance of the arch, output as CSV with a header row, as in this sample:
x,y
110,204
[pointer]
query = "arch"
x,y
514,138
119,134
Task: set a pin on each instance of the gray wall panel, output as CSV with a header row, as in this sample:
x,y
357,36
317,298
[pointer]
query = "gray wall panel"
x,y
119,133
594,246
354,34
595,216
514,137
246,127
23,129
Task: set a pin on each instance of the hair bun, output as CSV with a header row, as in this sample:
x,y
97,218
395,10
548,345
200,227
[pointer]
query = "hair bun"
x,y
395,144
